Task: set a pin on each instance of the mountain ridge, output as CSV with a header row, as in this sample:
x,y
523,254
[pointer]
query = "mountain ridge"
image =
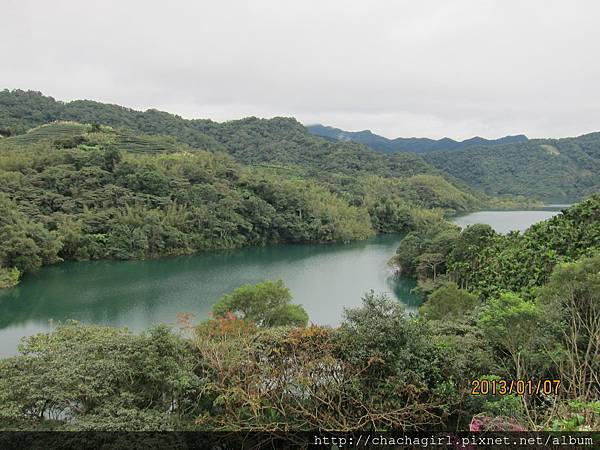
x,y
412,144
557,170
278,143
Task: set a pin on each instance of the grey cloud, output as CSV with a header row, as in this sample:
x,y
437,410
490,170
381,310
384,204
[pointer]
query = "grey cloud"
x,y
400,68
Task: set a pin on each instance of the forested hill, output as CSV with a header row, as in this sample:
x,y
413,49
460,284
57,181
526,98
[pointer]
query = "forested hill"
x,y
76,190
553,170
558,170
416,145
281,143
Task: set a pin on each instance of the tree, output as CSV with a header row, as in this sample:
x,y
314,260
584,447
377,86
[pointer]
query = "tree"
x,y
95,377
448,302
515,327
572,299
428,263
267,304
425,250
9,277
511,323
402,365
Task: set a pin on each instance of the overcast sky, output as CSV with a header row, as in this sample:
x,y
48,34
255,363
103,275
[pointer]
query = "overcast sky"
x,y
399,68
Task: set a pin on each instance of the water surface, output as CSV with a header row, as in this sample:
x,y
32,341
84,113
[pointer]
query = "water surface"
x,y
505,221
138,294
325,279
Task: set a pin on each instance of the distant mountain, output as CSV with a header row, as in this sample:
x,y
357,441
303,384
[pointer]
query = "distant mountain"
x,y
557,170
554,170
415,145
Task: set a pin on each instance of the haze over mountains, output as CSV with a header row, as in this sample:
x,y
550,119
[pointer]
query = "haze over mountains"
x,y
413,144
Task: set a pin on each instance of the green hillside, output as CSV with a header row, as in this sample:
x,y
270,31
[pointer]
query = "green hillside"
x,y
279,144
282,141
559,170
53,131
564,169
77,192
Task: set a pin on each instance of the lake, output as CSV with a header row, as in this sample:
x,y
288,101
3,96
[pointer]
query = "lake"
x,y
505,221
137,294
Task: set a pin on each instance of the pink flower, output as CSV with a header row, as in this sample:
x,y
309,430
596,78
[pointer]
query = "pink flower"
x,y
499,423
475,424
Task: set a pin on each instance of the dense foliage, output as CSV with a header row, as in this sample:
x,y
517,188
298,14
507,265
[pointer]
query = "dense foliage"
x,y
481,260
556,170
25,245
89,191
534,296
99,378
520,262
379,369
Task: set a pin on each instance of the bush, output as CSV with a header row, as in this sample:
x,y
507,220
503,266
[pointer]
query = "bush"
x,y
95,377
448,302
267,304
9,277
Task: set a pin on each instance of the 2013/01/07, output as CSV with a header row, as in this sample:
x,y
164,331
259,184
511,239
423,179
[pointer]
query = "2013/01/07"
x,y
510,387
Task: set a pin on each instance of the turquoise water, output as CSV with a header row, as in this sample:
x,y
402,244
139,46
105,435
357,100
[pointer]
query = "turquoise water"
x,y
325,279
137,294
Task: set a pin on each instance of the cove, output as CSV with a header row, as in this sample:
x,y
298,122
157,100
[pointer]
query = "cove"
x,y
138,294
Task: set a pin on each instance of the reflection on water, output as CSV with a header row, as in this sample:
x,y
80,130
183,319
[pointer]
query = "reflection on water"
x,y
138,294
325,279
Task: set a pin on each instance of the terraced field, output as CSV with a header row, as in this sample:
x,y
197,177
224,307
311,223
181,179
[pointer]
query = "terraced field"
x,y
106,138
143,143
51,131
